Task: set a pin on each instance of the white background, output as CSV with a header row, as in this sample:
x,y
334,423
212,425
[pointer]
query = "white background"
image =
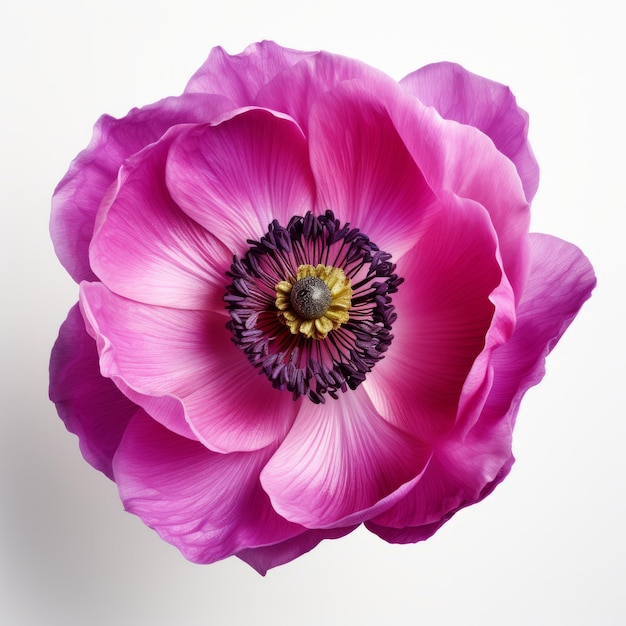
x,y
548,547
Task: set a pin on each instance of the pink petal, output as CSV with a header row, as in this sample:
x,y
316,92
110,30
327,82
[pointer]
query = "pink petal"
x,y
463,161
413,534
240,76
561,280
466,469
145,248
364,172
91,406
341,463
445,313
295,90
489,106
182,368
461,472
267,557
234,178
78,196
209,505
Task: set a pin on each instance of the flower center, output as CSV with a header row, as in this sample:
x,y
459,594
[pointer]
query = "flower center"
x,y
310,305
310,297
315,301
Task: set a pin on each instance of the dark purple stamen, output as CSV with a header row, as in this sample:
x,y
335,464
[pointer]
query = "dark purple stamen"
x,y
301,365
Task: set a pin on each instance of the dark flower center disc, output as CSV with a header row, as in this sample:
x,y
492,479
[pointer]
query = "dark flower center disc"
x,y
347,294
310,297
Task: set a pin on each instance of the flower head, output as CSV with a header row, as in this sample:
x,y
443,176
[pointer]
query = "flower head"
x,y
308,300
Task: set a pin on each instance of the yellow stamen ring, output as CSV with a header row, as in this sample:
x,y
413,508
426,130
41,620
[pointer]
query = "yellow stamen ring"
x,y
302,301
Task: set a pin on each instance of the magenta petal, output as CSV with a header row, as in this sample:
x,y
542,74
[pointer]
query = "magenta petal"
x,y
465,470
561,279
489,106
78,196
185,372
364,172
461,472
236,177
209,505
295,90
341,463
413,534
156,255
240,76
461,160
445,312
91,406
266,557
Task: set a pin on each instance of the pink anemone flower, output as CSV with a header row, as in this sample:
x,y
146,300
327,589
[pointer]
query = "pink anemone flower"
x,y
309,300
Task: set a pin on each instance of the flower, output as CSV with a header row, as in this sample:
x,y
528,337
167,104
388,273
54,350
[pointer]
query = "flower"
x,y
309,300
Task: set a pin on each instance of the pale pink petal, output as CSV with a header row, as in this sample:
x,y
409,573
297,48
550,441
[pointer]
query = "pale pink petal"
x,y
209,505
239,77
465,470
459,159
186,372
236,177
295,90
445,312
91,406
341,463
489,106
364,172
266,557
145,248
78,195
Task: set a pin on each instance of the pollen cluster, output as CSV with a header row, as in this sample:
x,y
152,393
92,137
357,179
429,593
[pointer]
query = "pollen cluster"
x,y
315,301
